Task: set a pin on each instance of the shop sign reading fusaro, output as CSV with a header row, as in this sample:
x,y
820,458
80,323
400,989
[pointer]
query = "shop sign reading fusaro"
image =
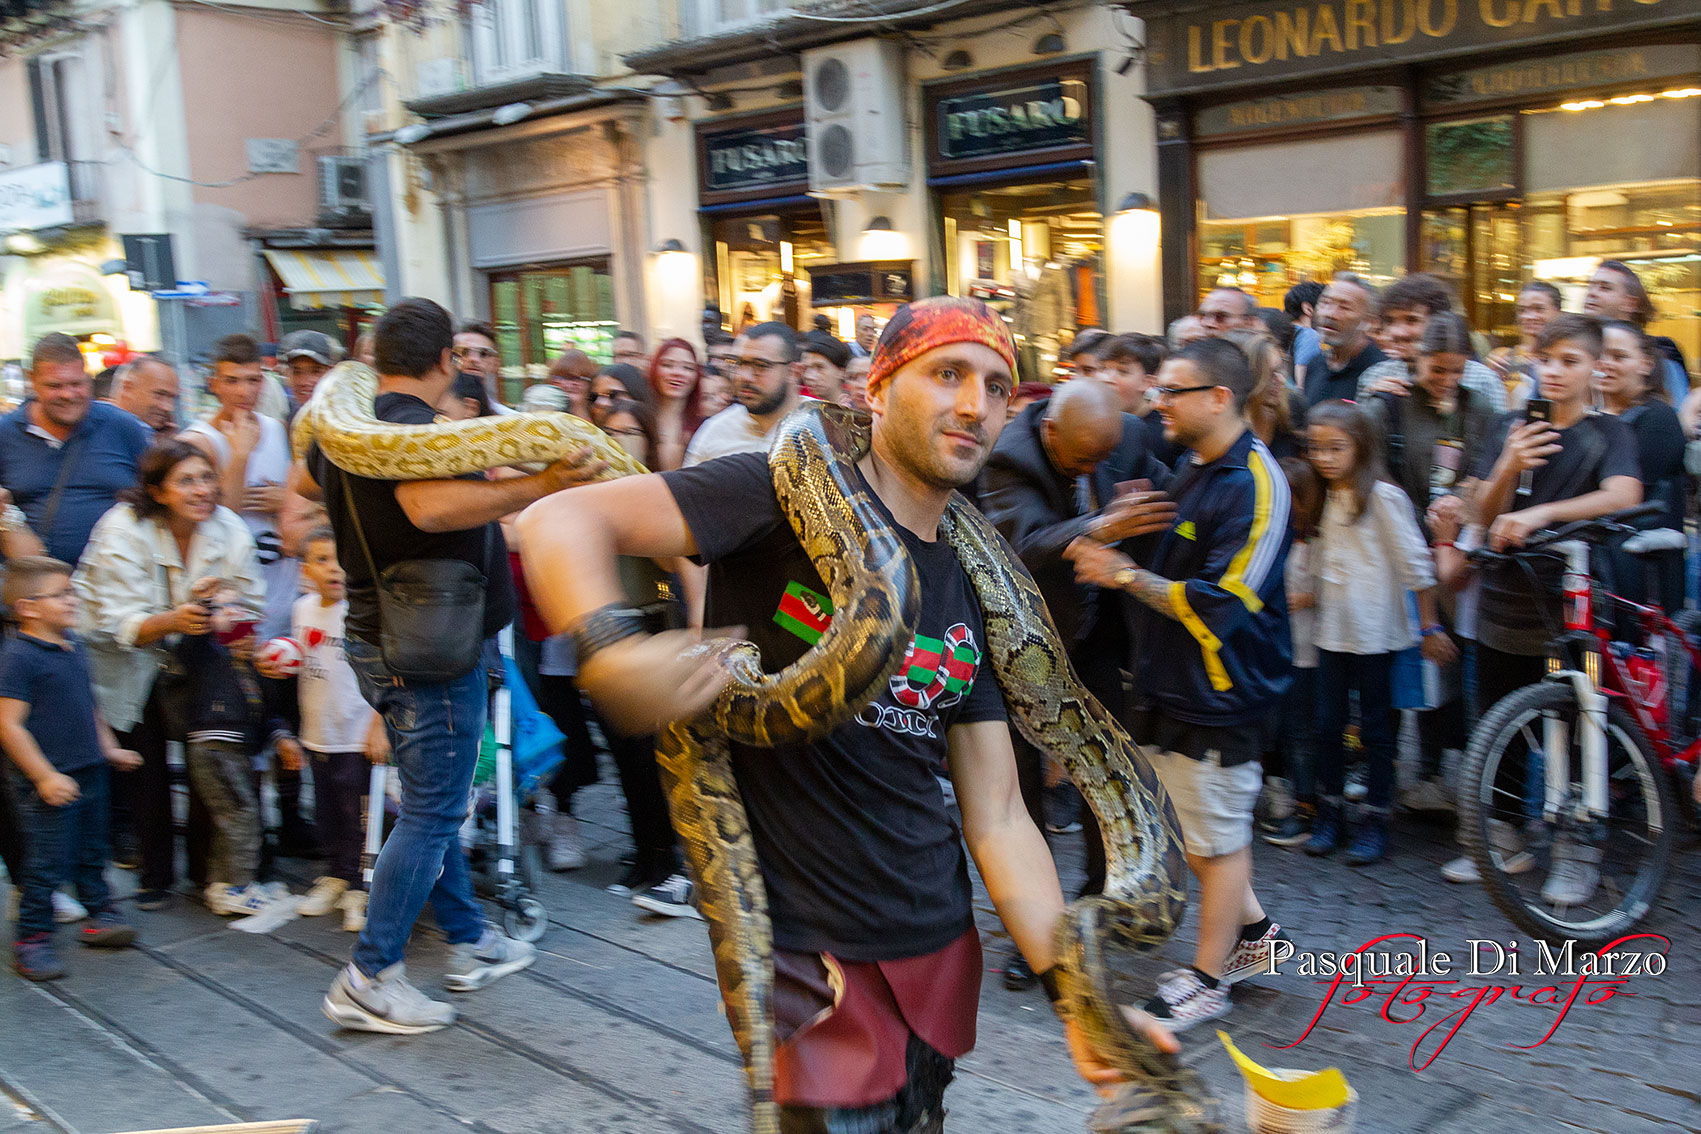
x,y
1013,120
1203,46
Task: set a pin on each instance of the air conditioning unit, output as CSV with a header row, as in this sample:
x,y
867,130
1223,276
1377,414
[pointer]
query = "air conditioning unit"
x,y
854,105
342,185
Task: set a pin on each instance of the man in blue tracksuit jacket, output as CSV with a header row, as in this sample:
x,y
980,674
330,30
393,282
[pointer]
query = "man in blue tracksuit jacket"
x,y
1213,661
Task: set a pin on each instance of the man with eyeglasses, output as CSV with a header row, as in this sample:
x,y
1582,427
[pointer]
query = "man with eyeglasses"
x,y
764,390
1228,309
1214,659
475,352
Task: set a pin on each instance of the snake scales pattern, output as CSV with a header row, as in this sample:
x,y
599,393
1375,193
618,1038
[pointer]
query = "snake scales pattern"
x,y
876,597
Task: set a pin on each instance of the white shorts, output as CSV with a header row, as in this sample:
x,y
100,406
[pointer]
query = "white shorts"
x,y
1212,803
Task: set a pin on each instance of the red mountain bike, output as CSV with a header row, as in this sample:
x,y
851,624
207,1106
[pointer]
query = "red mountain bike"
x,y
1574,788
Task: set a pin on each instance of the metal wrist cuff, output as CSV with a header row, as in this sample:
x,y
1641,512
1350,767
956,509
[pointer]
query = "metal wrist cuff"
x,y
605,626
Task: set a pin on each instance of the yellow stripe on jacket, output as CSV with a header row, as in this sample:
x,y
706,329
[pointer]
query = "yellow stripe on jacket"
x,y
1209,644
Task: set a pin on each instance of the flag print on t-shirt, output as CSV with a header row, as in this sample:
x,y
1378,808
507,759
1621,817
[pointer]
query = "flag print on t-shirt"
x,y
804,612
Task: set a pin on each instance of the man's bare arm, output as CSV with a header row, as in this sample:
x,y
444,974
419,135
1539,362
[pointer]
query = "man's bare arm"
x,y
456,505
573,540
1014,860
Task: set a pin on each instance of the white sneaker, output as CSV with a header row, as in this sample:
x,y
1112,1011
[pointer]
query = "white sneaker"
x,y
566,852
1507,843
1183,1000
1462,870
1575,873
67,909
354,911
673,897
388,1003
1250,958
1429,795
325,896
238,901
495,956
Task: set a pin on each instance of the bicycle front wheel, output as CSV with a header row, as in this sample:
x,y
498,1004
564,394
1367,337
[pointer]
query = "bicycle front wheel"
x,y
1571,876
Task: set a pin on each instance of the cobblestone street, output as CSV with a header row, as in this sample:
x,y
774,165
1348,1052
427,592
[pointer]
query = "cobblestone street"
x,y
616,1029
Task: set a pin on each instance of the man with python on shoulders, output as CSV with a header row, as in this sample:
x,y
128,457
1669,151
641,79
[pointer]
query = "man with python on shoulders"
x,y
875,946
434,726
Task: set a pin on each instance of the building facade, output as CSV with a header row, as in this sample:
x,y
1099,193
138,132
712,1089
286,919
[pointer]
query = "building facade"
x,y
1491,142
841,167
214,138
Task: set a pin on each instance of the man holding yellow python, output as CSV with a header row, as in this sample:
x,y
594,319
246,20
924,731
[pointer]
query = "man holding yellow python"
x,y
886,617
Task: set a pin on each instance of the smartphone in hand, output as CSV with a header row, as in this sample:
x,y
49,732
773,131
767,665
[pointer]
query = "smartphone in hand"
x,y
1539,409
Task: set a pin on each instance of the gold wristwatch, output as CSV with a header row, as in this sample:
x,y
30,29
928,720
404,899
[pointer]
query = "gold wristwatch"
x,y
1124,578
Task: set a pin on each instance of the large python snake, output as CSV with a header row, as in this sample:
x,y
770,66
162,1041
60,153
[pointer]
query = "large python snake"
x,y
876,599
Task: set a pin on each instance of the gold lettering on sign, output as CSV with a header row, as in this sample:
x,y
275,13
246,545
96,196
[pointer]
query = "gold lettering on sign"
x,y
1301,31
1220,45
1449,18
1265,48
1361,17
1493,17
1392,33
1293,32
1323,27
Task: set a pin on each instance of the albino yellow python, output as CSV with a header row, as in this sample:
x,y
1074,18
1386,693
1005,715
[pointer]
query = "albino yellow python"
x,y
875,598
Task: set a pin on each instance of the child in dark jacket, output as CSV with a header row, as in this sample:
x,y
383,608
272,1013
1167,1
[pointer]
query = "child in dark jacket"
x,y
228,724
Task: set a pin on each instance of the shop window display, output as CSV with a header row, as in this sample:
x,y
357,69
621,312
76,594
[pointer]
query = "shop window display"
x,y
1034,252
1273,215
763,264
1602,179
539,313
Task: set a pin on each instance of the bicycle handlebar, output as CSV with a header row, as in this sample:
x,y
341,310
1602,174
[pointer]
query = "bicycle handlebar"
x,y
1589,531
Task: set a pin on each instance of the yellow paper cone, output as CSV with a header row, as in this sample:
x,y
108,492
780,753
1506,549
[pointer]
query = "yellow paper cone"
x,y
1319,1090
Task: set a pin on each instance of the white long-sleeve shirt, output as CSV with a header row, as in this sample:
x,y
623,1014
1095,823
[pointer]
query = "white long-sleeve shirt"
x,y
122,579
1363,570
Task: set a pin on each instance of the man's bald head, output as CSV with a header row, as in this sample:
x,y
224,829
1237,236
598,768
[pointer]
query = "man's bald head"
x,y
1083,424
148,388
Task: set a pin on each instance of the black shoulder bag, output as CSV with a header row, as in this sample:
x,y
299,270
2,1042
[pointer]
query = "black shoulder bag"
x,y
174,686
430,611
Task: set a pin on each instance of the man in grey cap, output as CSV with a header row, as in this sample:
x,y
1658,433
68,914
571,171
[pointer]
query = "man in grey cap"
x,y
306,356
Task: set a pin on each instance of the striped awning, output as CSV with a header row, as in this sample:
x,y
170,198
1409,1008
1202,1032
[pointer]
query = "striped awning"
x,y
320,278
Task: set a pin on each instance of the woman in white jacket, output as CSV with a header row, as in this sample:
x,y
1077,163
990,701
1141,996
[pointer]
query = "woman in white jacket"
x,y
149,563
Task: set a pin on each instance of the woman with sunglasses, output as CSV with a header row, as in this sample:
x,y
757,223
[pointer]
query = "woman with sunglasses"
x,y
613,384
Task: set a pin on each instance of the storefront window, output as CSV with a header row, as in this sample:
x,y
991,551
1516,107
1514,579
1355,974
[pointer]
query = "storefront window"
x,y
763,263
1034,252
1274,215
1474,156
1602,179
539,313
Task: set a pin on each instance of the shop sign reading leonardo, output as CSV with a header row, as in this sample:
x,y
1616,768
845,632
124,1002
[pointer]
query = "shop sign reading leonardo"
x,y
1222,45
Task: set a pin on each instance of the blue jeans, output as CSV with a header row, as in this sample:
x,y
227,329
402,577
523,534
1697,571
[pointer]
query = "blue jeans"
x,y
63,844
434,732
1299,727
1337,676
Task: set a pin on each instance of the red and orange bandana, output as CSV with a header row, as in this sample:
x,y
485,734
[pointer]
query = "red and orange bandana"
x,y
920,326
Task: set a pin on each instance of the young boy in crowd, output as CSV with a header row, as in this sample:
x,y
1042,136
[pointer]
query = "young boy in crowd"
x,y
59,757
229,725
1537,474
339,730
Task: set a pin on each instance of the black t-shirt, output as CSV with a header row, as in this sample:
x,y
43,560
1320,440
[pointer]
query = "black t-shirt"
x,y
393,537
858,852
1510,618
